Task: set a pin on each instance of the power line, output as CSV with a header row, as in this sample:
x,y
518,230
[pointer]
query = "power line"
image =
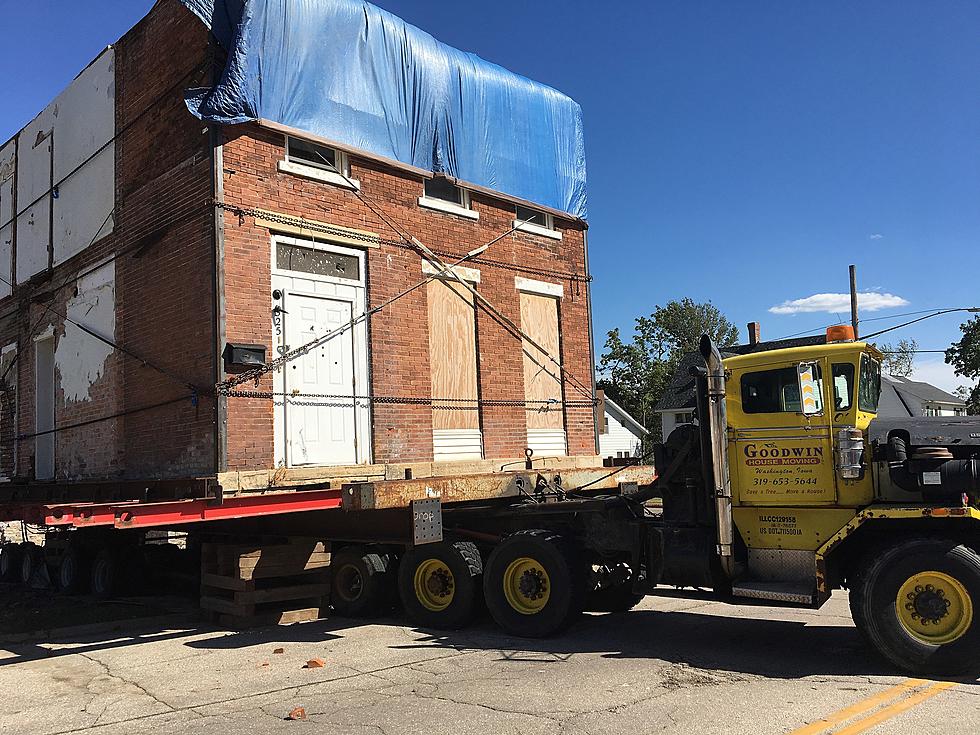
x,y
872,319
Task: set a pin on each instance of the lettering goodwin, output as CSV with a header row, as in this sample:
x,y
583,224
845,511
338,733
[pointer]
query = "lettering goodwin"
x,y
757,456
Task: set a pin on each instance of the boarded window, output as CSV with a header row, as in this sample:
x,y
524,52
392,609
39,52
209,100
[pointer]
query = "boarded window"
x,y
452,357
542,377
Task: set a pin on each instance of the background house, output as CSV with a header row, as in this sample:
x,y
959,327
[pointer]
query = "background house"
x,y
620,435
901,397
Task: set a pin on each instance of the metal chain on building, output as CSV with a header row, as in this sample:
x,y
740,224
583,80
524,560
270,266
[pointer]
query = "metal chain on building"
x,y
440,404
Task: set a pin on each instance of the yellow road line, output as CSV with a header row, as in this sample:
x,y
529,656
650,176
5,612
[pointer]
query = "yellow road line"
x,y
860,707
895,709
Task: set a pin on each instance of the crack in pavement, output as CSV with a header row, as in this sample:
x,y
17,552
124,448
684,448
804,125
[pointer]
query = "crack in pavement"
x,y
108,672
195,707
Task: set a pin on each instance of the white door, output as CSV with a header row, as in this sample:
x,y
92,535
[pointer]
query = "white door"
x,y
319,431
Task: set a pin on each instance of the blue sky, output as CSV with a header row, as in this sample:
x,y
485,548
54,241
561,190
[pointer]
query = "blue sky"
x,y
744,153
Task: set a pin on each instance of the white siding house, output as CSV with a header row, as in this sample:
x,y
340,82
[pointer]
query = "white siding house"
x,y
622,435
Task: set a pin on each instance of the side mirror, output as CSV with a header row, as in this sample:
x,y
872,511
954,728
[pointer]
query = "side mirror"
x,y
811,394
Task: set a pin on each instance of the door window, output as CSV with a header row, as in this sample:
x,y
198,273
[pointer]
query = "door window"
x,y
843,385
777,390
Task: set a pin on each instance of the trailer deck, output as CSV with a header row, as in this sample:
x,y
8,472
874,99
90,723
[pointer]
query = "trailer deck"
x,y
133,505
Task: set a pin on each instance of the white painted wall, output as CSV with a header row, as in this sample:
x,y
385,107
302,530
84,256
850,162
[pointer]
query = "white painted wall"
x,y
618,439
70,131
7,162
80,359
670,421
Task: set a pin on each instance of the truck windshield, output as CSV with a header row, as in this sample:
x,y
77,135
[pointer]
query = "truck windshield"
x,y
869,387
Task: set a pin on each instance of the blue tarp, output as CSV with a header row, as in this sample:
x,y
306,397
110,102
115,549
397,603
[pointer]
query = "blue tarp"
x,y
352,73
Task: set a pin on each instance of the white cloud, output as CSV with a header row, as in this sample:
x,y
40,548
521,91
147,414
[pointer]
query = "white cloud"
x,y
839,303
876,236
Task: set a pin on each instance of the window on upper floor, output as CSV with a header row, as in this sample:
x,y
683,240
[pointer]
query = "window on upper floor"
x,y
686,417
318,162
442,194
535,221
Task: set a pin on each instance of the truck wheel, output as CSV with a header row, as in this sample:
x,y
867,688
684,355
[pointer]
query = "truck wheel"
x,y
918,603
534,583
31,559
441,584
10,562
73,575
361,582
105,573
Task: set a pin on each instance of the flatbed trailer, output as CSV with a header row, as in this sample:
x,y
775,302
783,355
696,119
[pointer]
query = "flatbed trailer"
x,y
788,488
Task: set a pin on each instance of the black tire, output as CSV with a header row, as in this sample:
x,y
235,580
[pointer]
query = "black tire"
x,y
539,597
611,589
441,585
31,559
952,648
361,582
10,562
105,573
73,573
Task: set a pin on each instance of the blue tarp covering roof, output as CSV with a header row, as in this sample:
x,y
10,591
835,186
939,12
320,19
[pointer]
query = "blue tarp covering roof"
x,y
347,71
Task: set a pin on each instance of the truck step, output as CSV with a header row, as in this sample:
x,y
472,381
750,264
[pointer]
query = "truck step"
x,y
801,593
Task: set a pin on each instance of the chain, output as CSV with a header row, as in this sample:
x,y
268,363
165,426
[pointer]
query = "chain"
x,y
322,227
439,404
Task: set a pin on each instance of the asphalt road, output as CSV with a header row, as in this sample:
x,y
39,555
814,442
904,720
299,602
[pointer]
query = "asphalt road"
x,y
671,666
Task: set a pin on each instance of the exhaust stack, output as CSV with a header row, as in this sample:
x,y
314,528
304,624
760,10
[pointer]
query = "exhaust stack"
x,y
718,422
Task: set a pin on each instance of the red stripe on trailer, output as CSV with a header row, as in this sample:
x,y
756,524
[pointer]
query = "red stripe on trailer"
x,y
179,512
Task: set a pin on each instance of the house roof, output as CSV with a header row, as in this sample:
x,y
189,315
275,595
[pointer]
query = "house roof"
x,y
623,417
904,397
681,392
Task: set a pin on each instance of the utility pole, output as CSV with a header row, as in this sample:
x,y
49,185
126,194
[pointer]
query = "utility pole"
x,y
854,300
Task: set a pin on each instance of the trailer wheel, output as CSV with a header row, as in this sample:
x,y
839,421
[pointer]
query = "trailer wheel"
x,y
31,560
441,585
73,573
105,573
361,582
534,583
919,605
10,562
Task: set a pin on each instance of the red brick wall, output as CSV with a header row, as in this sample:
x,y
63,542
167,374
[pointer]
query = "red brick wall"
x,y
398,334
163,292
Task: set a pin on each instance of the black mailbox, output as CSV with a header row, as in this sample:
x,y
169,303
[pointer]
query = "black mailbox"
x,y
239,358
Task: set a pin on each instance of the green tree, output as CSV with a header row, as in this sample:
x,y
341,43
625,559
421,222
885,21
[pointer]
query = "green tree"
x,y
964,356
899,357
636,372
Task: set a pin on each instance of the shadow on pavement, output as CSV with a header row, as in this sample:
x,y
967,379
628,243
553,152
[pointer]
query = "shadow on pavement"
x,y
742,645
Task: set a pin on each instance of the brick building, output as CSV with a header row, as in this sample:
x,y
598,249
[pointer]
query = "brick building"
x,y
147,256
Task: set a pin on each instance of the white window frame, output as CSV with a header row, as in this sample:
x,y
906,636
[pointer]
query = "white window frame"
x,y
544,230
319,172
441,205
542,288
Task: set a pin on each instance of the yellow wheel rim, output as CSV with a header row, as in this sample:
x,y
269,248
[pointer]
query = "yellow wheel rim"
x,y
435,585
527,586
934,608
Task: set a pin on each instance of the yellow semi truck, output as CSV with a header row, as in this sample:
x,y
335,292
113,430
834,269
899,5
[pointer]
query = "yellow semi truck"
x,y
788,488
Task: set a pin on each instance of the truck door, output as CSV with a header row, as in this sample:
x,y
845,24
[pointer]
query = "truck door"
x,y
780,445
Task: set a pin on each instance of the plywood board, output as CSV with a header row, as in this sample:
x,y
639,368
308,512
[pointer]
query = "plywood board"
x,y
539,320
452,353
